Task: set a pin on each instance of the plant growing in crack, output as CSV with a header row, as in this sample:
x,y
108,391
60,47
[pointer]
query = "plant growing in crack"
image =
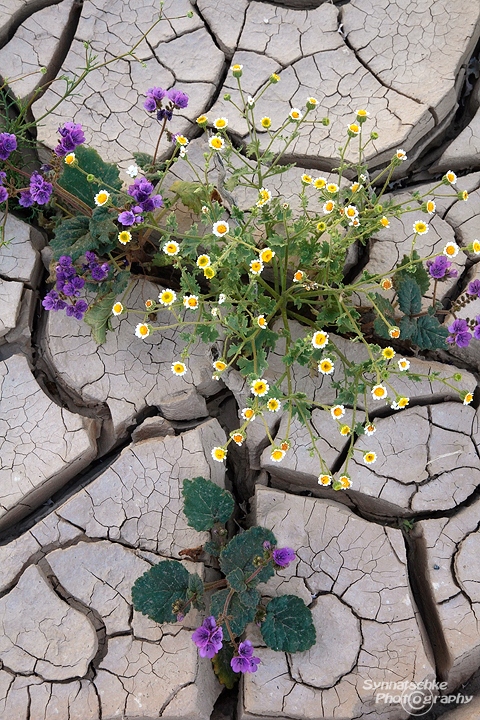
x,y
239,276
167,592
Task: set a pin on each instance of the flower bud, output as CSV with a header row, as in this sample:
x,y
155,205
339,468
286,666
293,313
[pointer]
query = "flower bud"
x,y
90,178
457,377
274,78
374,136
227,96
326,121
190,14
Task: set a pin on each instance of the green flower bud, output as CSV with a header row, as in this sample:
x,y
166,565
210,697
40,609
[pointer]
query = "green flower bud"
x,y
457,377
374,135
90,178
326,121
190,14
227,96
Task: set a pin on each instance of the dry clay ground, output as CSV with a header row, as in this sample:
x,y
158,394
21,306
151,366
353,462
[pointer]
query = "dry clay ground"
x,y
96,441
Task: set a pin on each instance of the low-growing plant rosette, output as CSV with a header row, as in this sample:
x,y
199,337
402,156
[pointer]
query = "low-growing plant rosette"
x,y
167,592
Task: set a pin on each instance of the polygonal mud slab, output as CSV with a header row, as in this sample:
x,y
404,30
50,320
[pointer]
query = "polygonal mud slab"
x,y
428,459
464,151
318,63
127,373
417,49
10,302
42,446
21,259
318,388
110,101
40,634
448,554
340,559
33,46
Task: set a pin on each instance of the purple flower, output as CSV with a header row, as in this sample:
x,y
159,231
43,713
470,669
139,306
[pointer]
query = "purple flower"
x,y
77,310
178,98
100,272
140,190
3,176
127,218
52,301
439,267
25,199
8,143
476,329
154,98
3,194
245,662
208,638
40,189
459,333
66,260
164,113
266,545
283,556
71,136
474,288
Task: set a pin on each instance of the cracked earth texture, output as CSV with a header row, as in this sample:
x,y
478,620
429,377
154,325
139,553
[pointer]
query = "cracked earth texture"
x,y
95,442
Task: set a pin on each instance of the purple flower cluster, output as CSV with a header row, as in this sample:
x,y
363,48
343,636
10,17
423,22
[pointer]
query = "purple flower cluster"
x,y
69,285
176,99
40,191
8,143
98,271
474,288
460,334
439,268
3,191
141,191
71,136
245,662
208,638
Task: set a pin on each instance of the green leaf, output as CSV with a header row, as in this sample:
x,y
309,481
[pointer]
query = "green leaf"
x,y
195,589
212,548
205,503
192,194
288,625
240,614
249,598
408,327
98,315
241,551
75,182
419,274
155,592
430,335
409,296
103,230
236,580
222,667
72,237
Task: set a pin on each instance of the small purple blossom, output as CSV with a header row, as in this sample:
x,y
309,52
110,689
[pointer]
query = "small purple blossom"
x,y
40,189
129,217
208,638
476,329
3,176
283,556
77,310
459,333
474,288
52,301
178,98
71,136
100,272
163,113
245,662
3,194
25,199
439,268
266,545
8,143
154,98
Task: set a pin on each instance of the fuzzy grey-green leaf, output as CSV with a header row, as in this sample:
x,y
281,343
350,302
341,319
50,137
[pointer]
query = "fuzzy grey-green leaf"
x,y
205,503
288,625
155,592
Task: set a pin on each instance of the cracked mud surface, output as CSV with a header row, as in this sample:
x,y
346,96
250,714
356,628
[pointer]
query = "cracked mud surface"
x,y
96,441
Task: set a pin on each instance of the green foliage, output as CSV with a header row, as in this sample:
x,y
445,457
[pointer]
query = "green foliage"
x,y
158,589
236,580
192,194
417,272
223,669
206,504
74,181
242,551
195,591
409,296
79,234
288,625
429,334
238,614
387,311
98,316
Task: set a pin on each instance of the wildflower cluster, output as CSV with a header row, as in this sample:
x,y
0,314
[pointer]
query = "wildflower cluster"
x,y
239,277
167,592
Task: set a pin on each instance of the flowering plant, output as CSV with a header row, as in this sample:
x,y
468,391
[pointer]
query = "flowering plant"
x,y
246,269
167,592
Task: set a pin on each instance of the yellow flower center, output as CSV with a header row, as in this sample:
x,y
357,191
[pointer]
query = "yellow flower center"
x,y
450,250
248,414
178,368
70,158
324,479
143,330
222,228
202,119
238,437
476,246
216,142
124,236
118,307
102,197
219,453
192,302
354,128
277,455
209,273
220,123
203,261
369,457
338,412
